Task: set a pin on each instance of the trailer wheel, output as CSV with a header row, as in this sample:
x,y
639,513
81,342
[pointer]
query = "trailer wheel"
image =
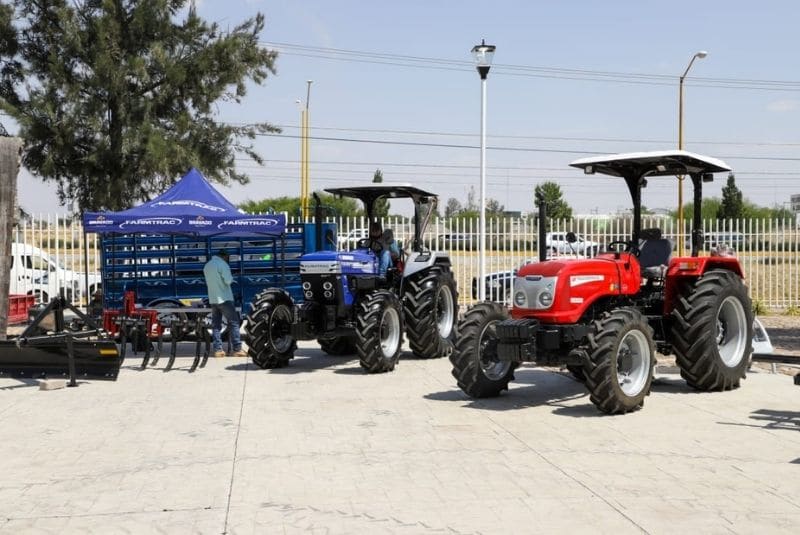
x,y
269,342
339,346
621,360
712,331
475,366
379,331
431,312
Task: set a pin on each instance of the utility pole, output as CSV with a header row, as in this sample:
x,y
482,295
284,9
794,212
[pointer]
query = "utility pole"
x,y
9,167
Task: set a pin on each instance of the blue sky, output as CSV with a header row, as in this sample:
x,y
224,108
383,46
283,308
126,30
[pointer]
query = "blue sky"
x,y
540,117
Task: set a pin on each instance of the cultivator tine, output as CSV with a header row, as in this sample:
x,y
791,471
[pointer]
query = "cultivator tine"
x,y
173,329
159,347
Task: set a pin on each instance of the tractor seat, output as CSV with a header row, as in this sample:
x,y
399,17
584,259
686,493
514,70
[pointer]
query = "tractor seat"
x,y
654,254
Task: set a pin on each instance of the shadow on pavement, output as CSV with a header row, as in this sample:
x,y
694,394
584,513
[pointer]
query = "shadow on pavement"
x,y
772,419
541,388
777,419
24,383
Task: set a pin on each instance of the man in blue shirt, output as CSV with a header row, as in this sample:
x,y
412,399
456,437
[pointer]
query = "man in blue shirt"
x,y
220,298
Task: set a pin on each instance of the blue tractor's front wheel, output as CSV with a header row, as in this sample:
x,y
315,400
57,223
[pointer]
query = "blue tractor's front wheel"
x,y
268,338
379,330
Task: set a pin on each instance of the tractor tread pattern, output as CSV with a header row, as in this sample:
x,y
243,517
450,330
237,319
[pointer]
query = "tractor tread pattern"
x,y
368,335
465,358
694,322
600,369
257,333
421,322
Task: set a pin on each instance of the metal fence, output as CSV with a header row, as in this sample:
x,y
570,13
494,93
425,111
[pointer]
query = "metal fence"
x,y
768,250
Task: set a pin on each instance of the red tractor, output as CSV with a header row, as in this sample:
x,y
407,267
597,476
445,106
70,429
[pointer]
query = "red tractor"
x,y
605,317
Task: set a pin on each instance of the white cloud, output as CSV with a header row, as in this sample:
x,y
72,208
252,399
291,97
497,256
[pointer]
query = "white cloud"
x,y
782,106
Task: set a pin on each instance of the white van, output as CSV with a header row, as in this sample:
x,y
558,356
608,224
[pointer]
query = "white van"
x,y
34,272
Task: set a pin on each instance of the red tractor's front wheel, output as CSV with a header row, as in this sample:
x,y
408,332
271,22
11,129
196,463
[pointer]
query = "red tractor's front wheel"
x,y
621,360
476,367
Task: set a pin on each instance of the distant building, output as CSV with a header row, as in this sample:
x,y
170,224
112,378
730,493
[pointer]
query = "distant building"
x,y
795,202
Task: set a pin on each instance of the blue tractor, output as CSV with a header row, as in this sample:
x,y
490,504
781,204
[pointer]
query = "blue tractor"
x,y
349,307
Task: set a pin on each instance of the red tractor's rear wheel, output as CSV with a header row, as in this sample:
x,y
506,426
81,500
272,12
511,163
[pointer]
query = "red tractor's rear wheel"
x,y
712,331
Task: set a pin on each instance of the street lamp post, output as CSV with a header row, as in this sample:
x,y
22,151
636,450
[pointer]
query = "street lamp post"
x,y
483,54
698,55
306,189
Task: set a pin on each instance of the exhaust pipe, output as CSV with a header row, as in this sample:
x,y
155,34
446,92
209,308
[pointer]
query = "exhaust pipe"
x,y
542,233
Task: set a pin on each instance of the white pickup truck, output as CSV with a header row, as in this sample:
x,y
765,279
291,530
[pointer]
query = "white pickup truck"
x,y
562,243
35,272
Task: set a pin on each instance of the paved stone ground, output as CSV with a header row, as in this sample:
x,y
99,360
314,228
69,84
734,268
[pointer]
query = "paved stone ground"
x,y
320,447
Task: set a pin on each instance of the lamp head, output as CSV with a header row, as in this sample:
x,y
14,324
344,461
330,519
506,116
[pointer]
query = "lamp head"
x,y
701,54
483,54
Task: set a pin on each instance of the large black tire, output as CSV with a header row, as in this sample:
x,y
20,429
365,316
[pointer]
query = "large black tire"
x,y
379,331
475,366
269,343
712,331
339,346
621,361
431,306
577,372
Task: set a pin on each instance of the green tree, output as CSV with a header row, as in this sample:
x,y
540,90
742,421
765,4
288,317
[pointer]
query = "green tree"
x,y
452,208
494,208
732,206
555,205
708,210
115,99
344,206
381,208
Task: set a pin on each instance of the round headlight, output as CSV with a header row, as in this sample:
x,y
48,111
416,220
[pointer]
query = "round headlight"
x,y
306,285
327,285
309,295
328,294
545,299
520,300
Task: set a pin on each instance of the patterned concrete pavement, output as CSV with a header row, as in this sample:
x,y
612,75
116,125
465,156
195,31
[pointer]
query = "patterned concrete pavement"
x,y
320,447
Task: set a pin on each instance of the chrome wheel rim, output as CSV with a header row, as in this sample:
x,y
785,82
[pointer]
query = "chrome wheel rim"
x,y
731,331
445,312
390,332
633,362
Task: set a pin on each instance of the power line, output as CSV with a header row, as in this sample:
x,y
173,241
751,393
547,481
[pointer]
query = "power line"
x,y
778,175
399,60
462,166
500,148
544,138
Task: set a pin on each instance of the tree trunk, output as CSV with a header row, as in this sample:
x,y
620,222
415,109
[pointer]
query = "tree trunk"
x,y
9,167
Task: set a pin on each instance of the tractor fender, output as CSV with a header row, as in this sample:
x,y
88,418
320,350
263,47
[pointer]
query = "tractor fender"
x,y
688,269
416,262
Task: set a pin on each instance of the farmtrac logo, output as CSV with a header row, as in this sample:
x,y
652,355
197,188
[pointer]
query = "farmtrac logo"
x,y
200,221
99,221
153,221
189,202
249,223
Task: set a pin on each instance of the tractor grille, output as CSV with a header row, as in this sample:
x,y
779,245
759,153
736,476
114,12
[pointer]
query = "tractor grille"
x,y
325,289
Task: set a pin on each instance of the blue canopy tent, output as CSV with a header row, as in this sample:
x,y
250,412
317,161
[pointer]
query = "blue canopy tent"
x,y
191,207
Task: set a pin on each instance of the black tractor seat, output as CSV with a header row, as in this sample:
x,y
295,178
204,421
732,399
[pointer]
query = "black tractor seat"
x,y
654,254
